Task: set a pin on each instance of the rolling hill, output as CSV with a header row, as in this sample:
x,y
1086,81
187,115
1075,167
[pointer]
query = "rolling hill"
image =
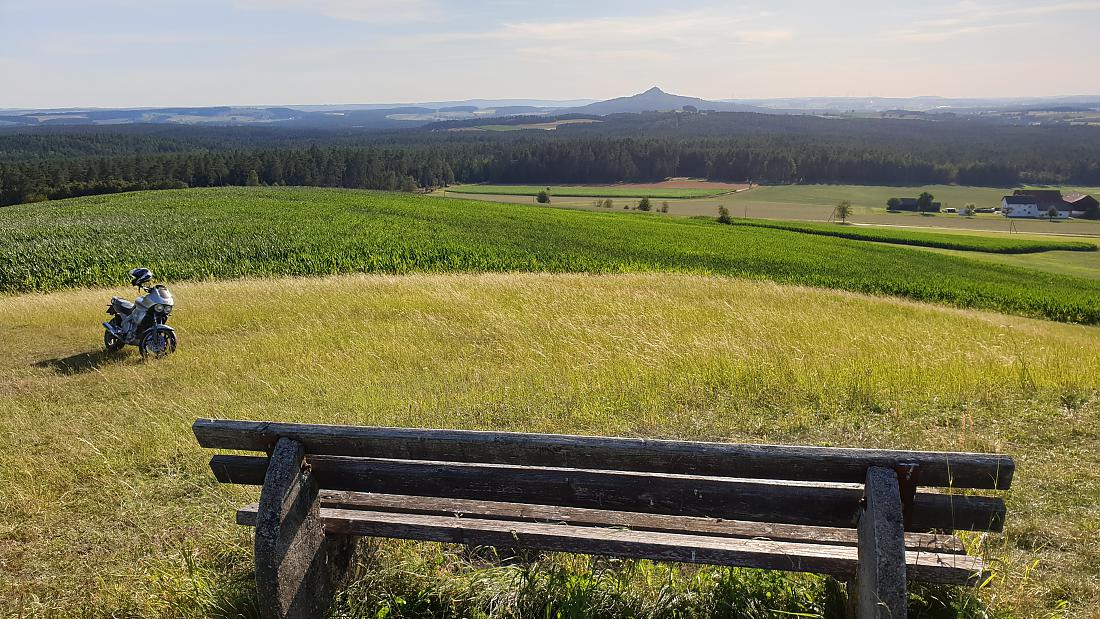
x,y
656,99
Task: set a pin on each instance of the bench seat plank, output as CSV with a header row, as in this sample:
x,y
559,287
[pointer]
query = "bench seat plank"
x,y
498,510
736,499
839,561
937,469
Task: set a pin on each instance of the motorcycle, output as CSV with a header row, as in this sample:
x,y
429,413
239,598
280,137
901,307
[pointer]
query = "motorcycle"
x,y
142,323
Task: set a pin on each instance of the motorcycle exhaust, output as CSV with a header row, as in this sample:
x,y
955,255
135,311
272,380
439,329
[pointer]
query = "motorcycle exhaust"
x,y
115,332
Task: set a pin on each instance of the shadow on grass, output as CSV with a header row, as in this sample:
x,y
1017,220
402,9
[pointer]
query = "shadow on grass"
x,y
574,587
409,580
82,363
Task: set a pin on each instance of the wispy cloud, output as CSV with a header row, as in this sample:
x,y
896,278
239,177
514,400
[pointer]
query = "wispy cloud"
x,y
566,53
932,35
637,36
369,11
72,44
971,18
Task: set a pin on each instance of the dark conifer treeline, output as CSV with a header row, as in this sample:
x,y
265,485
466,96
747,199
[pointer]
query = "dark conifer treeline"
x,y
59,163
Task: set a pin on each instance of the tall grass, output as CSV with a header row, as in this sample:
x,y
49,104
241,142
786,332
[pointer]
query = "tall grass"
x,y
238,232
109,508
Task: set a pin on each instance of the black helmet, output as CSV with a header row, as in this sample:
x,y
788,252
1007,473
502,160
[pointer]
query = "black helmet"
x,y
140,275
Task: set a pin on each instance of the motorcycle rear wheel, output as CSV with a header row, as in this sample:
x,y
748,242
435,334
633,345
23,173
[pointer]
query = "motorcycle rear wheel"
x,y
112,343
158,344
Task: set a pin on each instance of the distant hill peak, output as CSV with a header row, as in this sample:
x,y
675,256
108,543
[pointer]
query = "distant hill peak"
x,y
656,99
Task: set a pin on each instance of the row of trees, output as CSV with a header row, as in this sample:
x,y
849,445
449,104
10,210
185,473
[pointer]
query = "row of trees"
x,y
394,170
60,164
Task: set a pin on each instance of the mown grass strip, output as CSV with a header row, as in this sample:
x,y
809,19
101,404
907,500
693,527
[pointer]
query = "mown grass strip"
x,y
587,192
961,242
228,233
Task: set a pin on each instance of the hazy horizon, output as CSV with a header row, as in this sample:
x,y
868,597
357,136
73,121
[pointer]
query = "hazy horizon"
x,y
572,102
161,53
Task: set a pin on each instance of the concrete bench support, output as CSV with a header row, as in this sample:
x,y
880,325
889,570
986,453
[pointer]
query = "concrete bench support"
x,y
298,567
881,575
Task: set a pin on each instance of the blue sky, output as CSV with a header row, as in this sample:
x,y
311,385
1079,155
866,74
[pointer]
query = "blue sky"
x,y
57,53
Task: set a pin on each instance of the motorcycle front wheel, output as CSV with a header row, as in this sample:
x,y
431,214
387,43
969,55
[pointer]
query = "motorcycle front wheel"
x,y
112,343
157,344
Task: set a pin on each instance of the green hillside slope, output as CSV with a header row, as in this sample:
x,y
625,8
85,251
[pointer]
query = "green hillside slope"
x,y
236,232
110,508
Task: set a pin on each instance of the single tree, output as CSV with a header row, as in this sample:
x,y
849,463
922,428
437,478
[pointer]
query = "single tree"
x,y
892,204
843,211
664,206
924,202
723,215
1052,213
253,179
969,209
543,197
607,203
643,204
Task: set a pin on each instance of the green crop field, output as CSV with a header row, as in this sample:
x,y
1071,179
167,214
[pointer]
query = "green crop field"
x,y
585,191
237,232
110,510
666,327
973,243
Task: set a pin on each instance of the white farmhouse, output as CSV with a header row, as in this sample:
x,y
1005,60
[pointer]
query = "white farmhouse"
x,y
1031,207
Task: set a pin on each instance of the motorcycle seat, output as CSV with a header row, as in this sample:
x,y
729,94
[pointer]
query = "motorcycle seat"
x,y
122,306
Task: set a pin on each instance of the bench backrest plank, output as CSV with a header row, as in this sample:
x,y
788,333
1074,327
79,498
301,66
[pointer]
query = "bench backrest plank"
x,y
805,503
796,463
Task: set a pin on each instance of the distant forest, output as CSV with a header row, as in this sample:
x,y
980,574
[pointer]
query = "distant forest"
x,y
53,163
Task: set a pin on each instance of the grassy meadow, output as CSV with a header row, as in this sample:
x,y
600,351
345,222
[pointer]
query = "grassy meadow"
x,y
588,191
239,232
110,510
1001,244
867,197
816,203
1077,264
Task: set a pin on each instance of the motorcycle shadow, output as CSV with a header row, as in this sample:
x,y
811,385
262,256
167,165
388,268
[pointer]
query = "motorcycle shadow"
x,y
82,363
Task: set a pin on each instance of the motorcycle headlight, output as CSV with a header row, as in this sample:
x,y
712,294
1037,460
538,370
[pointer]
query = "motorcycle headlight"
x,y
158,308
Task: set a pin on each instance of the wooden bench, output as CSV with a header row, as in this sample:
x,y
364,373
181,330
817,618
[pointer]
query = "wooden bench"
x,y
854,514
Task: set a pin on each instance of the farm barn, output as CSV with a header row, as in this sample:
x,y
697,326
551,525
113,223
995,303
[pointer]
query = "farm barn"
x,y
1030,207
1082,205
1036,203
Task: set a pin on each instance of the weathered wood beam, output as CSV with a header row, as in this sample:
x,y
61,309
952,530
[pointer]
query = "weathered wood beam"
x,y
689,525
813,504
840,561
882,558
298,566
939,469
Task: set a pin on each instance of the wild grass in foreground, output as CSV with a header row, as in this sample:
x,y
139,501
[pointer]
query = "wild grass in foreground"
x,y
897,236
239,232
110,510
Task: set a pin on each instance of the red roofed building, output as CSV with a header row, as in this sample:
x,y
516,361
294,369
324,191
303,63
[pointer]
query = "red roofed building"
x,y
1082,205
1037,203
